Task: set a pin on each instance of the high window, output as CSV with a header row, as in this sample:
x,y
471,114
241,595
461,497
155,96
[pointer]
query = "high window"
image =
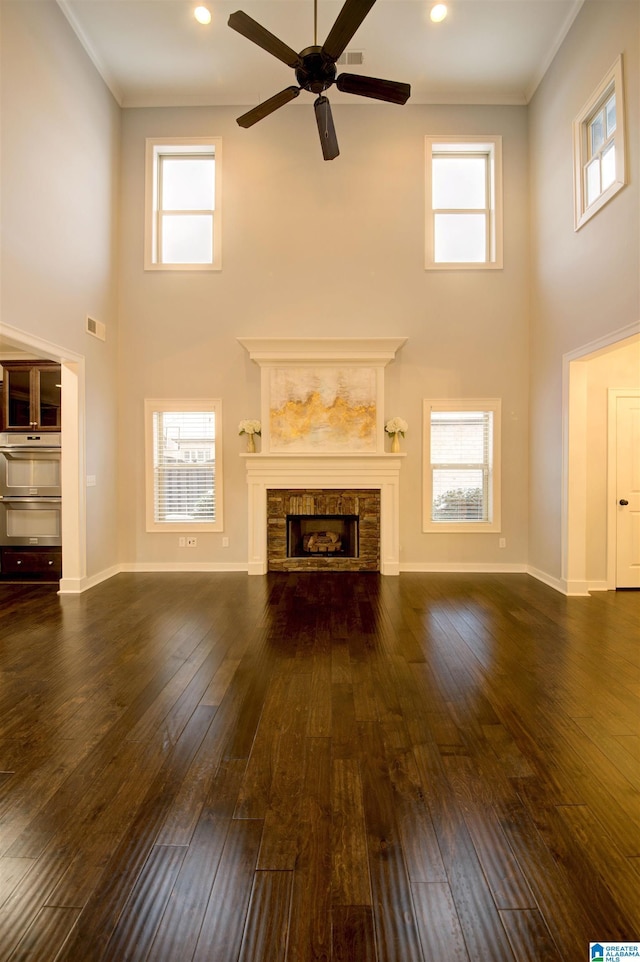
x,y
183,222
463,203
183,465
462,465
598,147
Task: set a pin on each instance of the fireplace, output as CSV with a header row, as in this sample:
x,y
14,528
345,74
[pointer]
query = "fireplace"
x,y
322,457
315,529
327,535
370,475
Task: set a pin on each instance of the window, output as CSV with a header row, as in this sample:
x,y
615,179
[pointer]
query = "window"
x,y
462,465
598,147
182,229
183,465
463,203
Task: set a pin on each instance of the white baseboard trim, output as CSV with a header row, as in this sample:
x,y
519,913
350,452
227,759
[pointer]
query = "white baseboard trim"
x,y
183,566
75,586
573,589
471,567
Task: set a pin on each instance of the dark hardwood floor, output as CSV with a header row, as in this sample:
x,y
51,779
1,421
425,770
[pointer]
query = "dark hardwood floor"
x,y
318,767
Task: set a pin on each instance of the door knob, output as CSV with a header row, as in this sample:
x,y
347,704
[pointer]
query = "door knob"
x,y
623,501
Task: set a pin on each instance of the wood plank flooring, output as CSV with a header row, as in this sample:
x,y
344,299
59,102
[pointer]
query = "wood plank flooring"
x,y
318,768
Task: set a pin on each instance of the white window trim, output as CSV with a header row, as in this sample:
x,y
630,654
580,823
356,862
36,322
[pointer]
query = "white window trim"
x,y
491,144
613,81
462,527
152,405
154,147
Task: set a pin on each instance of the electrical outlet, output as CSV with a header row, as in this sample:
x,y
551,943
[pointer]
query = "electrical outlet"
x,y
182,542
225,542
502,543
192,542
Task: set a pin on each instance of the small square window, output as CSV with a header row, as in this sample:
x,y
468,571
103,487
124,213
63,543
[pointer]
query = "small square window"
x,y
598,147
183,229
464,203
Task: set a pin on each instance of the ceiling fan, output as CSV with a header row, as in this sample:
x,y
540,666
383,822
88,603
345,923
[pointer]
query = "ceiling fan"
x,y
315,69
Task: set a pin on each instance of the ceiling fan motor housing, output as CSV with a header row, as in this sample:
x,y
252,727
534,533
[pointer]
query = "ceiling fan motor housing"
x,y
318,70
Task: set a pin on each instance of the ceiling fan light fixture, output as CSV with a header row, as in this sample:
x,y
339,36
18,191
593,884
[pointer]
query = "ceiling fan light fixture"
x,y
438,12
202,15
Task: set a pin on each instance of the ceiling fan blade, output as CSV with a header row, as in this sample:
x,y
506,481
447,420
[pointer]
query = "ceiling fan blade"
x,y
390,90
252,30
327,131
268,106
347,22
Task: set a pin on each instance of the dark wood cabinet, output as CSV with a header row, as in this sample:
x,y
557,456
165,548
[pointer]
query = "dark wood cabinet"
x,y
31,396
38,564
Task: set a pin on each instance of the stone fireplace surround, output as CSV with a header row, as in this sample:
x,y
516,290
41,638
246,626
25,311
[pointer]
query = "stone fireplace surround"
x,y
362,504
324,471
303,472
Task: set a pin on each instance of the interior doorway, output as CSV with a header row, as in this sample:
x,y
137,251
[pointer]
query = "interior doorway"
x,y
74,553
624,488
589,506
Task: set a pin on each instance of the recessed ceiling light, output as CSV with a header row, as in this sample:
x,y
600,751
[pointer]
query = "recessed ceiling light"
x,y
202,15
438,13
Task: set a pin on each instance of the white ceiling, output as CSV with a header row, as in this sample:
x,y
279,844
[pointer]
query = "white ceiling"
x,y
154,53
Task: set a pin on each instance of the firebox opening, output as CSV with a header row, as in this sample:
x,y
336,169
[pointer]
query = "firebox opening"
x,y
326,536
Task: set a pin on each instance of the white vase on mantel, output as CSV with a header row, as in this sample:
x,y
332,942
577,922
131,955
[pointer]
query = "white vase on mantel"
x,y
251,444
395,443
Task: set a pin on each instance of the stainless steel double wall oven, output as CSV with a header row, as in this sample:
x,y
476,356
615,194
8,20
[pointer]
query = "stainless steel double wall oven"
x,y
30,461
30,493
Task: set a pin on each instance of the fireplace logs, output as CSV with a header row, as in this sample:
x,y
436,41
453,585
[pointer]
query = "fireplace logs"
x,y
319,541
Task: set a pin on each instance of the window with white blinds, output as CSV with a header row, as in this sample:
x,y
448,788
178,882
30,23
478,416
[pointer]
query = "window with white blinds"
x,y
184,478
462,465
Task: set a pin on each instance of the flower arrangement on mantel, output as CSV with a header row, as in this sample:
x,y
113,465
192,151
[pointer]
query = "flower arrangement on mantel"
x,y
395,427
250,428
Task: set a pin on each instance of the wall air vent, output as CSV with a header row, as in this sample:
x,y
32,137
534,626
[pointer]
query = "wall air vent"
x,y
97,328
350,58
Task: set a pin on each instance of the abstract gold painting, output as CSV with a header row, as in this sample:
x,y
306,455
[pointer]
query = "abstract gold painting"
x,y
323,409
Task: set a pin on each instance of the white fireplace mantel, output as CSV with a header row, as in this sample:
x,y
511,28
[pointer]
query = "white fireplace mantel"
x,y
340,462
283,350
376,471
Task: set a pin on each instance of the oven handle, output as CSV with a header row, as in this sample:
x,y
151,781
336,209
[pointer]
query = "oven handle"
x,y
14,499
24,449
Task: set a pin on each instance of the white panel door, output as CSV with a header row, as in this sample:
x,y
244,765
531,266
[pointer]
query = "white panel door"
x,y
628,492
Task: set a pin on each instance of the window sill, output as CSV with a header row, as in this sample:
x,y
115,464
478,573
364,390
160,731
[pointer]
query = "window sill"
x,y
461,527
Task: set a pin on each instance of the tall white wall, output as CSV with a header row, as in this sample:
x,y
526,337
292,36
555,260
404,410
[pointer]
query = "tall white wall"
x,y
585,284
60,130
326,248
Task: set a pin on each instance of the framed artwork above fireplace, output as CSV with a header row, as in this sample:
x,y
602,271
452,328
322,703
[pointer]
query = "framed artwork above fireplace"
x,y
317,409
322,396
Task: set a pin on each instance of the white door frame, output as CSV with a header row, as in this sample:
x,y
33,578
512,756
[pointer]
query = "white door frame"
x,y
74,522
612,472
574,459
